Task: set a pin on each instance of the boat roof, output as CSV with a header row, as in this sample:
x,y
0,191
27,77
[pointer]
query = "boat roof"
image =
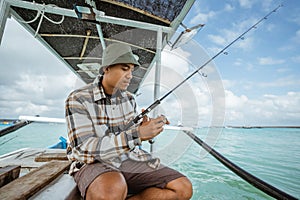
x,y
79,43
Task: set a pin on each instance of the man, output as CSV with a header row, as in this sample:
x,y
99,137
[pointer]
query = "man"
x,y
107,162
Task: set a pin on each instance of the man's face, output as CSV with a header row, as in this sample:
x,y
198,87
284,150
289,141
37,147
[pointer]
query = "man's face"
x,y
118,77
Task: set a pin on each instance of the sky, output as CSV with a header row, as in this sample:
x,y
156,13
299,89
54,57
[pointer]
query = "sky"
x,y
255,83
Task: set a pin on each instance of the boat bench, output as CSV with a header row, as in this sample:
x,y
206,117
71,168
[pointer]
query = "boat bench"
x,y
8,174
29,184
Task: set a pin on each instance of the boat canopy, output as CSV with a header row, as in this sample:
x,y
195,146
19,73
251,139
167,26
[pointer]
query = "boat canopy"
x,y
77,31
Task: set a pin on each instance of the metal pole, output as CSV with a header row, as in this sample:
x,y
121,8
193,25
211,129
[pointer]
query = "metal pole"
x,y
98,26
4,11
100,33
157,77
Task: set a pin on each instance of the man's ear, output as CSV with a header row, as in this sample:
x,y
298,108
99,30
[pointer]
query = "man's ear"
x,y
105,69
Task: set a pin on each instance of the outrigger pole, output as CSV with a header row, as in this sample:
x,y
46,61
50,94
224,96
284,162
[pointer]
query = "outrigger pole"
x,y
157,102
253,180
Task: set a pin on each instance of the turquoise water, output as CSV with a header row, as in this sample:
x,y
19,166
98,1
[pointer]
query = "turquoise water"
x,y
271,154
36,135
3,126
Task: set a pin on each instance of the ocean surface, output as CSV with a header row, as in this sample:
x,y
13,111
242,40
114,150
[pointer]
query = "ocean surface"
x,y
271,154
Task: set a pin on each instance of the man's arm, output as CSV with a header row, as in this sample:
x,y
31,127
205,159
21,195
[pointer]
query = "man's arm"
x,y
85,144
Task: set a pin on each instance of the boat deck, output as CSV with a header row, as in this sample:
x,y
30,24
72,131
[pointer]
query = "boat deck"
x,y
43,175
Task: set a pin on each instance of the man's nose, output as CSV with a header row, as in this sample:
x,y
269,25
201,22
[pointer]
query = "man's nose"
x,y
129,75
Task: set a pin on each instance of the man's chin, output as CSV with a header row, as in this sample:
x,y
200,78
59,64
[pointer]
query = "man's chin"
x,y
123,88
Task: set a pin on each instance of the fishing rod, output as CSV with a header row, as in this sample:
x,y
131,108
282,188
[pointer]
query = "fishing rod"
x,y
253,180
158,101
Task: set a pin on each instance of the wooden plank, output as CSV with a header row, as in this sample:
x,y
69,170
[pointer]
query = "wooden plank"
x,y
48,156
9,173
27,185
63,187
121,4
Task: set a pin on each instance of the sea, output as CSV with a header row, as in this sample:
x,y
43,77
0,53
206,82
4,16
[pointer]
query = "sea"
x,y
271,154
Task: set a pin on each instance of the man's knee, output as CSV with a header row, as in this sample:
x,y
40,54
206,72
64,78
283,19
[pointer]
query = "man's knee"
x,y
183,188
107,195
108,186
187,189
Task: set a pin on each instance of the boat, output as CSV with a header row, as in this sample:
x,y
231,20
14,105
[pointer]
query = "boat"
x,y
76,32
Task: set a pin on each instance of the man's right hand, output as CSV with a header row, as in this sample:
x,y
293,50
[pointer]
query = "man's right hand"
x,y
150,128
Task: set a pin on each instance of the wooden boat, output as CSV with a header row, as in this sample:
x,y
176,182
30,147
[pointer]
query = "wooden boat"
x,y
76,32
42,175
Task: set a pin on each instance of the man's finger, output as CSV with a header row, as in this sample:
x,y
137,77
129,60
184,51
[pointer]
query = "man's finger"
x,y
145,118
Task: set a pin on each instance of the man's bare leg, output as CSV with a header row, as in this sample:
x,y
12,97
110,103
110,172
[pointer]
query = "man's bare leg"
x,y
180,189
110,185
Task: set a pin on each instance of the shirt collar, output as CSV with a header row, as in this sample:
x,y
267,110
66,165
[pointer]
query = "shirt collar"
x,y
98,90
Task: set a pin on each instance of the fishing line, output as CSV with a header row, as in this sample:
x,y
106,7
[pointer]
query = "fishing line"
x,y
158,101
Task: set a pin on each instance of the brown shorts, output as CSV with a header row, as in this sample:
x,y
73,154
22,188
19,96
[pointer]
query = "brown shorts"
x,y
136,182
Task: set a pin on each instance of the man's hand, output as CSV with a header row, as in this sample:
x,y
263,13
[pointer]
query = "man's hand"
x,y
150,128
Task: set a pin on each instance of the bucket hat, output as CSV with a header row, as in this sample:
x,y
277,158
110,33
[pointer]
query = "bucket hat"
x,y
118,53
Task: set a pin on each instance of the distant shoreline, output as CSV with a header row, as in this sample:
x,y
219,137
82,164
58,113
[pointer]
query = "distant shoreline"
x,y
12,121
248,127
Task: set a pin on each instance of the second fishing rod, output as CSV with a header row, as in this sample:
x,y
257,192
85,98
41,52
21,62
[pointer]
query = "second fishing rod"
x,y
158,101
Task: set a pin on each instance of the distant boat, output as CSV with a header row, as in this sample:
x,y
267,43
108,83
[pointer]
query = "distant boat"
x,y
7,122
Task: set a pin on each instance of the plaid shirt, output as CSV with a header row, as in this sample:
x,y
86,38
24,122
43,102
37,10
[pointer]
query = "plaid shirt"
x,y
95,128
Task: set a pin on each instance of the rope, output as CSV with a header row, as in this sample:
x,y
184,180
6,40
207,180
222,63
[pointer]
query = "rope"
x,y
42,14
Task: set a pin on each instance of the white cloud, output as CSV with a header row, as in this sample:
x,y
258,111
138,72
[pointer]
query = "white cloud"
x,y
297,37
233,101
246,3
214,50
37,94
270,61
288,47
245,64
226,36
176,60
34,82
283,70
270,27
229,83
285,103
295,18
228,7
217,39
31,109
296,59
246,44
202,17
267,5
280,82
266,110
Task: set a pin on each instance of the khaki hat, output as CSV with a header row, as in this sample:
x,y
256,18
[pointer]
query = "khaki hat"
x,y
118,53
